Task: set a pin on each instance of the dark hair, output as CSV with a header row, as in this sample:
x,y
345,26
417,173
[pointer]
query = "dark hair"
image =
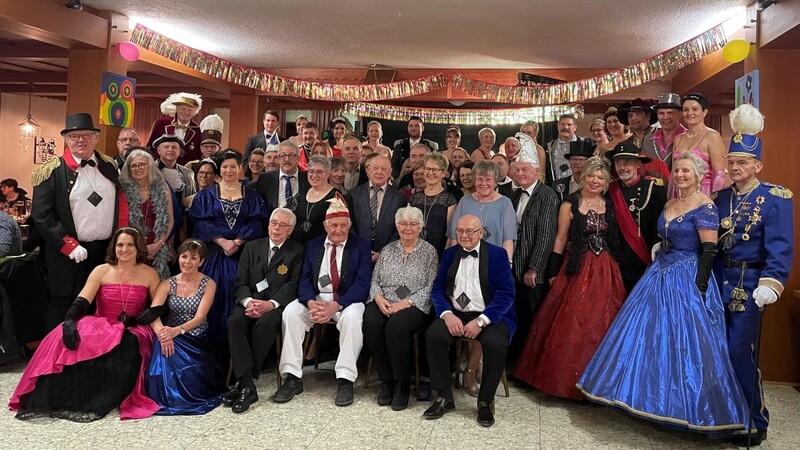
x,y
272,112
415,118
610,112
567,116
256,151
193,246
210,162
337,161
468,164
698,97
230,153
138,240
9,182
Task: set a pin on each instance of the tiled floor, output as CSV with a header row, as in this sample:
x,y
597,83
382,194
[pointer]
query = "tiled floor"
x,y
527,419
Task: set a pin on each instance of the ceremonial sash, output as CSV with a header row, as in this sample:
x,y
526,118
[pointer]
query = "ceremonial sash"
x,y
630,232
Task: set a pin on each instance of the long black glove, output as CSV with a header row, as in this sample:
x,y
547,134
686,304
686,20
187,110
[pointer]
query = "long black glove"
x,y
150,314
69,332
704,264
554,264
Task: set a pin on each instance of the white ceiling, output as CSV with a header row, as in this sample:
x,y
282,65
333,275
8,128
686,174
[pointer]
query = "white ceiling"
x,y
458,34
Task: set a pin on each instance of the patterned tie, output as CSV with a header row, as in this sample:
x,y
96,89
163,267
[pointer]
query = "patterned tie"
x,y
288,192
334,273
373,205
272,252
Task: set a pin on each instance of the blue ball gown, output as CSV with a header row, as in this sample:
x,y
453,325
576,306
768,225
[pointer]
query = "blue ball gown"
x,y
189,382
665,357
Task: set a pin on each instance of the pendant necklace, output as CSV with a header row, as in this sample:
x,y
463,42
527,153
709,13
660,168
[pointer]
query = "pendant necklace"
x,y
123,316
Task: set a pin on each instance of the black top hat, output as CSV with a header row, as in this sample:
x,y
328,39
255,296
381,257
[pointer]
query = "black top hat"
x,y
627,150
167,138
668,101
77,122
634,105
581,147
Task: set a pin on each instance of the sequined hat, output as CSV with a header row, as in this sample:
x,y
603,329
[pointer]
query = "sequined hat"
x,y
668,101
746,122
527,152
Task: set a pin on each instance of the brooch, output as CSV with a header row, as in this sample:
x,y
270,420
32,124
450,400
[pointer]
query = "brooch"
x,y
282,269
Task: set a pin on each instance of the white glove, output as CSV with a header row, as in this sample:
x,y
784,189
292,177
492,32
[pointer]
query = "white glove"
x,y
656,248
79,254
764,296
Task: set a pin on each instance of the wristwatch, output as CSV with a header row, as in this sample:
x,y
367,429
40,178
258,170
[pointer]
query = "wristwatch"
x,y
411,302
481,322
183,330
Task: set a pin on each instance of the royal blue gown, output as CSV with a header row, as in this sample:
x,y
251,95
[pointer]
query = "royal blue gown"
x,y
665,357
189,382
215,217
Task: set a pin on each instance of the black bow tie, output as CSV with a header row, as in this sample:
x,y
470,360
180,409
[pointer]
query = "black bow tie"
x,y
88,162
473,253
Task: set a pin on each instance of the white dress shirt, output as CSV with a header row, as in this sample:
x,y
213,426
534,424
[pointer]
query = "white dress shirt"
x,y
92,223
523,201
326,292
468,282
282,186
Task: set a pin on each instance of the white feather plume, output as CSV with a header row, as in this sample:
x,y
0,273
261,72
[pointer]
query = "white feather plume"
x,y
168,106
746,119
212,122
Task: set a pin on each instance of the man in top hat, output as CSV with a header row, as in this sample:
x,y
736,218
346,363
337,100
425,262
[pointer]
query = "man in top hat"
x,y
210,139
579,151
181,107
643,199
536,207
668,113
77,201
334,285
754,258
179,178
272,121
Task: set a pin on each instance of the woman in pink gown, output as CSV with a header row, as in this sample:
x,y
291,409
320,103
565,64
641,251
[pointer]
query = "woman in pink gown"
x,y
93,364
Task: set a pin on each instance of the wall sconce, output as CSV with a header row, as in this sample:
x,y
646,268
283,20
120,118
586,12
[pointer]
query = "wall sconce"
x,y
29,125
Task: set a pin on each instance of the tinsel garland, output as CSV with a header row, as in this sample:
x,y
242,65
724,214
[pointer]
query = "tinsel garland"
x,y
277,85
462,116
625,78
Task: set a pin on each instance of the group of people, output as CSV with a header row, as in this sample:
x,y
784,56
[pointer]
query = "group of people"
x,y
617,268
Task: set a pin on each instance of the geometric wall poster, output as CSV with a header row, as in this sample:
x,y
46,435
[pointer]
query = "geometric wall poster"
x,y
747,89
117,100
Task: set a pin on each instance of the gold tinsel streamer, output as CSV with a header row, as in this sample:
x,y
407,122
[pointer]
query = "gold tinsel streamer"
x,y
608,83
277,85
462,116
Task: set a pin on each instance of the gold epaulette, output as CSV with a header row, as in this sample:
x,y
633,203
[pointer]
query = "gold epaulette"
x,y
714,195
780,191
658,181
44,171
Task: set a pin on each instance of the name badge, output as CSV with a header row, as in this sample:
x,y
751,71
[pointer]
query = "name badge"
x,y
262,285
324,280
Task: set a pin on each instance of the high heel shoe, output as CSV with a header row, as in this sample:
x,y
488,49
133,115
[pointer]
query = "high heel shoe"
x,y
475,387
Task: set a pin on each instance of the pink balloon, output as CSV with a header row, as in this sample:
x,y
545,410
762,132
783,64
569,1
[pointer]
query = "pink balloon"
x,y
129,51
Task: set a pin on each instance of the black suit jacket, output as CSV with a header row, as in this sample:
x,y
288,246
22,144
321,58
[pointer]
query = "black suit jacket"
x,y
536,232
361,215
282,273
561,186
402,150
268,184
256,141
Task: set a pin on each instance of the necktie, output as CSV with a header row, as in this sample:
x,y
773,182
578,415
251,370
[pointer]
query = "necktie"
x,y
334,273
272,252
473,253
373,205
87,162
288,191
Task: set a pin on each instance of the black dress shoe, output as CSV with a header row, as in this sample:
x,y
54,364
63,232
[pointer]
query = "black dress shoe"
x,y
290,387
386,393
402,390
232,395
485,413
248,396
344,394
755,439
439,408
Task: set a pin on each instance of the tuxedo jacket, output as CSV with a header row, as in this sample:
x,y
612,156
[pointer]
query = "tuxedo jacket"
x,y
355,275
191,148
256,141
52,215
282,273
561,187
402,150
497,283
361,215
536,232
268,186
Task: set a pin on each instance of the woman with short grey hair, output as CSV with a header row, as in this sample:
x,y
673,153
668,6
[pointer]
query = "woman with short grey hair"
x,y
311,207
398,306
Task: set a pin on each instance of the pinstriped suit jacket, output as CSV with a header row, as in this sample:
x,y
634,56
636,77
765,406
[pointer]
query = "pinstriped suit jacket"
x,y
536,232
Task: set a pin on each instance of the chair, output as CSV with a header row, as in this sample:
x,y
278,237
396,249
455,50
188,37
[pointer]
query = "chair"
x,y
461,348
415,338
278,347
317,333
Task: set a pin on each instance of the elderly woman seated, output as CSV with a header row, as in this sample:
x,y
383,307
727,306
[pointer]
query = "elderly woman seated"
x,y
399,305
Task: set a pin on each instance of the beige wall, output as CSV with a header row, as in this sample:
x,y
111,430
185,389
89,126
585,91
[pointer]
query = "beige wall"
x,y
17,155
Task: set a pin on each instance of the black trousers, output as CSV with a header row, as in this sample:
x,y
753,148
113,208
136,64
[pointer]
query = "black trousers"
x,y
526,302
251,339
494,341
59,304
389,340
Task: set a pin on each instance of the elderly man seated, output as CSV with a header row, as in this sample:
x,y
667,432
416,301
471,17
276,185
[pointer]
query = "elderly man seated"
x,y
473,296
334,285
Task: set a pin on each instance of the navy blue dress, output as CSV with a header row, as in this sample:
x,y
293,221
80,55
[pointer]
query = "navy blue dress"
x,y
190,381
665,357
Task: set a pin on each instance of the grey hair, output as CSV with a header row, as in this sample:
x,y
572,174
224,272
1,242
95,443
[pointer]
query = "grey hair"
x,y
289,144
154,175
421,145
409,213
320,161
699,167
287,211
484,167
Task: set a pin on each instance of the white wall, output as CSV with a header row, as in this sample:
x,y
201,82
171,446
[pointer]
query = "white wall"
x,y
16,156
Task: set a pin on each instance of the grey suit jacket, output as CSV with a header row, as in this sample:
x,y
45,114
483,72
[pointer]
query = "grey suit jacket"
x,y
385,230
536,232
282,273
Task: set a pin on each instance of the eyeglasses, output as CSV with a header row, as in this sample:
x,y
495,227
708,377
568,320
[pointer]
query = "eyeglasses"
x,y
137,166
286,155
408,224
432,170
280,225
460,231
78,137
130,139
316,172
203,173
595,130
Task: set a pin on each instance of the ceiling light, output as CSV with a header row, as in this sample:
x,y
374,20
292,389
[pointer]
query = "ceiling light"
x,y
75,4
29,125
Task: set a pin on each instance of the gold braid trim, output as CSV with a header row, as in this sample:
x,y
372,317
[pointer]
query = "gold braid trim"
x,y
108,159
780,191
773,284
44,171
